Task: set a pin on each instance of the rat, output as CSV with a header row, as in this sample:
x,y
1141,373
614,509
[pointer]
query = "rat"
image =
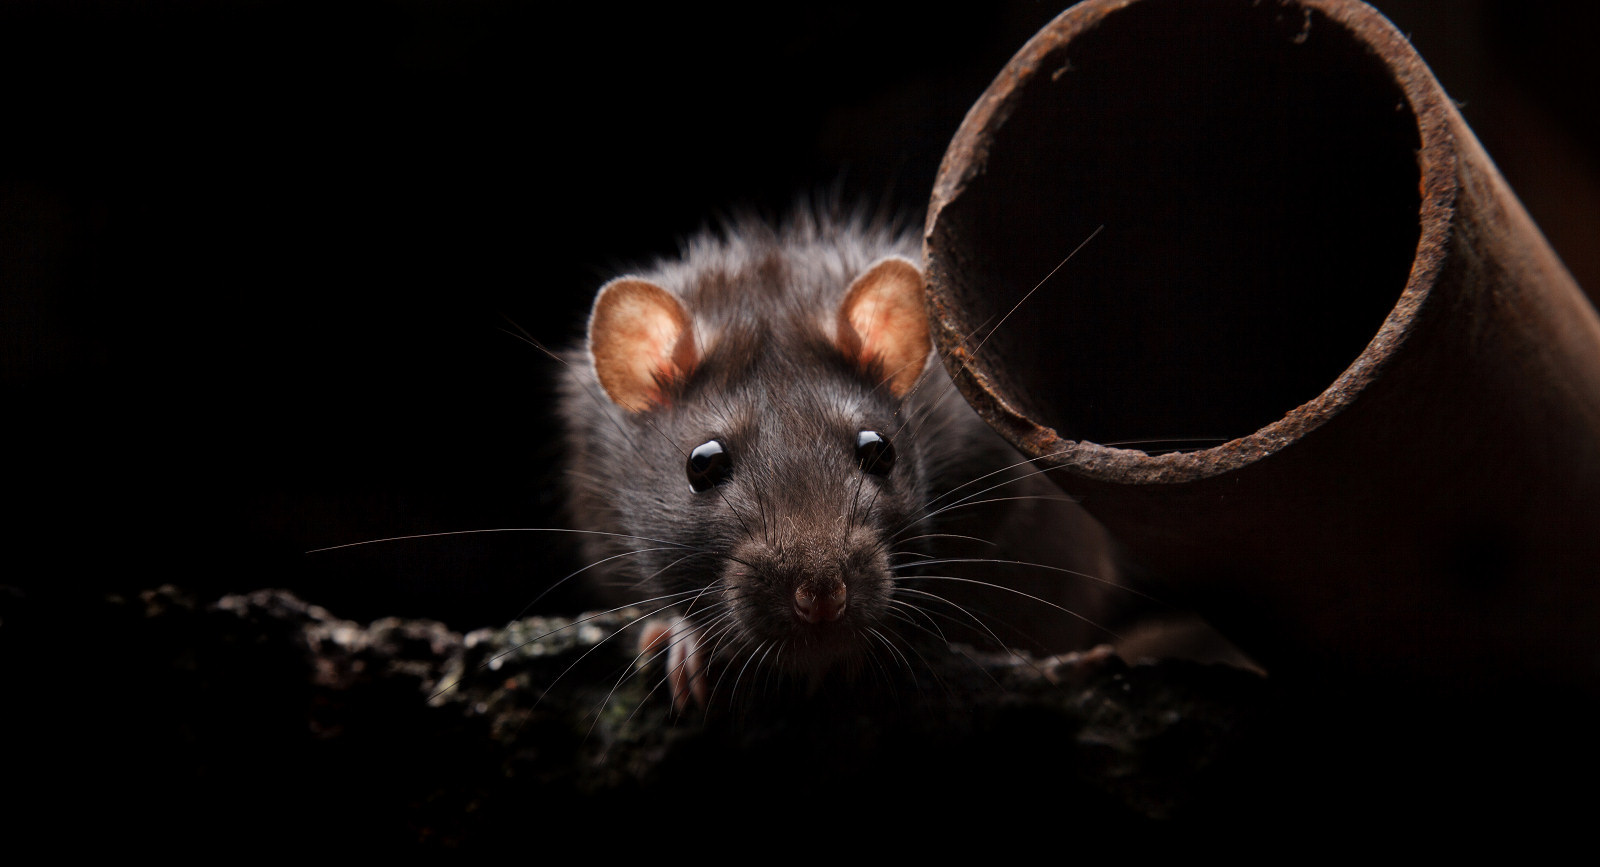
x,y
766,451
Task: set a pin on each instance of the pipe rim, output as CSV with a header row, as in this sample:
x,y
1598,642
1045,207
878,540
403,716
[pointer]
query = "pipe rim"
x,y
965,160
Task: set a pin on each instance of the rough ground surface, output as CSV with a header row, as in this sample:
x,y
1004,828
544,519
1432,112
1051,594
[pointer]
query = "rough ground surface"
x,y
263,721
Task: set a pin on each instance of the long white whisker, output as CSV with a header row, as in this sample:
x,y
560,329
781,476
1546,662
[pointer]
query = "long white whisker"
x,y
901,606
498,530
1026,564
548,590
967,503
1017,592
936,631
1025,462
1024,299
942,536
978,621
895,651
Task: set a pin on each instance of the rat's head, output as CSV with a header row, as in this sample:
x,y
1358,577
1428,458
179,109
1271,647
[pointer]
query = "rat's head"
x,y
777,439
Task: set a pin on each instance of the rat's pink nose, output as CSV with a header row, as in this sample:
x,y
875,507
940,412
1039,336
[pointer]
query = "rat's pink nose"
x,y
819,605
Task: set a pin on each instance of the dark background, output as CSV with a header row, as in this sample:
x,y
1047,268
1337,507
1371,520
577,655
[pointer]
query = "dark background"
x,y
259,260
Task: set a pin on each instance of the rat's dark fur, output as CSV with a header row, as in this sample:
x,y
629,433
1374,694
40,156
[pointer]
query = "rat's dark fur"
x,y
773,386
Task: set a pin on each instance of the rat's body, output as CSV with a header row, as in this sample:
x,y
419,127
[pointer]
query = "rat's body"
x,y
760,432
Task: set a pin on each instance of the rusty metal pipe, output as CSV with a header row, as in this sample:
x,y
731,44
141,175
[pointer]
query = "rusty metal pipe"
x,y
1313,277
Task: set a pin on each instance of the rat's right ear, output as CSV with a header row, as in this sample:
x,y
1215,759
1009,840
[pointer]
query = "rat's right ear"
x,y
641,339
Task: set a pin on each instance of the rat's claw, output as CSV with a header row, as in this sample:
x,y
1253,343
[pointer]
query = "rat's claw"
x,y
685,664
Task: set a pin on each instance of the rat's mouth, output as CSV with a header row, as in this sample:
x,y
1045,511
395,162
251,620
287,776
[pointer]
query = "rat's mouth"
x,y
813,648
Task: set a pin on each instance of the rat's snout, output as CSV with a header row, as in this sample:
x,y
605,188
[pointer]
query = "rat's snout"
x,y
820,601
813,586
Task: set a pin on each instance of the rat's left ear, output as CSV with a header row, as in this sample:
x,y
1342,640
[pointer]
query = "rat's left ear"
x,y
883,321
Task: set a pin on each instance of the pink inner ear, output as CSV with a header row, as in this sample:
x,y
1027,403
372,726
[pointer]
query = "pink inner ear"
x,y
639,337
883,319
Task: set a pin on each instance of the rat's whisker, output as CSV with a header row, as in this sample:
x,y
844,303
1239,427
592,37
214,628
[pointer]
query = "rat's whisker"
x,y
493,530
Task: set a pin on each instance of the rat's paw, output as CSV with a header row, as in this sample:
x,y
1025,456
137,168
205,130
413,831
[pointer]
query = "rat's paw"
x,y
685,662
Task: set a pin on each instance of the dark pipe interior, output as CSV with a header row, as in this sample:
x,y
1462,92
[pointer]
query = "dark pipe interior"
x,y
1255,171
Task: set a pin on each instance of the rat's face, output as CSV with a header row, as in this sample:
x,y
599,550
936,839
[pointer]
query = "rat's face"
x,y
770,468
794,502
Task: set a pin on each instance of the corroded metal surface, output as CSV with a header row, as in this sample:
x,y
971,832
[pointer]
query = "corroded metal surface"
x,y
1311,266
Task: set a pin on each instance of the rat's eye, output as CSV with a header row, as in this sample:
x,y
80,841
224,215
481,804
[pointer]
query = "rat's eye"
x,y
874,452
709,466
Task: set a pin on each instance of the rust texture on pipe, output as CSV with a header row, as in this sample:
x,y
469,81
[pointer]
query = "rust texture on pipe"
x,y
1320,373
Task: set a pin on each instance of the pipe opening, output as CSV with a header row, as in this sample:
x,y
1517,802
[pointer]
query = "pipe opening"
x,y
1255,169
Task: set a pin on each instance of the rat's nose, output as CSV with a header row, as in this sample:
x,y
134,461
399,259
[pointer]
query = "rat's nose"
x,y
820,604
